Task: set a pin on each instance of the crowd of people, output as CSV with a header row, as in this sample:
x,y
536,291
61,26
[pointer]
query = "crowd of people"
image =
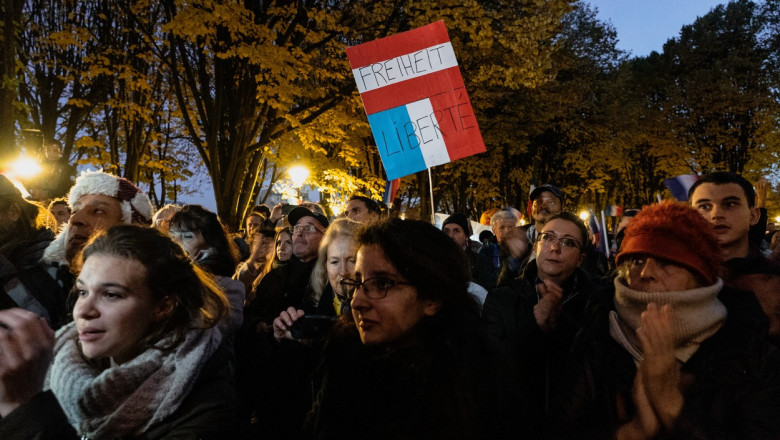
x,y
120,322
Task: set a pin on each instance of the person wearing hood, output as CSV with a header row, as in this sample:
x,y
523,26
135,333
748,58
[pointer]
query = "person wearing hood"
x,y
98,201
24,234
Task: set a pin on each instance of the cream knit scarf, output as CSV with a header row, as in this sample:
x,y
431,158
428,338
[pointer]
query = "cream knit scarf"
x,y
125,400
698,314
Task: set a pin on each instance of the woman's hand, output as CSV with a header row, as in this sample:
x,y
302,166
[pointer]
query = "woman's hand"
x,y
548,309
645,424
284,321
660,369
26,344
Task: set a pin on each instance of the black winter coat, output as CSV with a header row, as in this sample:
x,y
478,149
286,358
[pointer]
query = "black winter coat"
x,y
722,401
433,385
540,358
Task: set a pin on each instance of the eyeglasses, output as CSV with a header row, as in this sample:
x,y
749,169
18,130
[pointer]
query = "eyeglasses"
x,y
374,288
545,201
548,239
305,229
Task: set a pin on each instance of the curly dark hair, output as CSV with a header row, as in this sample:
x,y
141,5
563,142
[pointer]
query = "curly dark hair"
x,y
426,257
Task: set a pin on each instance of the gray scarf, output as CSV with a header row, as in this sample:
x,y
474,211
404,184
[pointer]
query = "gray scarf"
x,y
126,400
698,314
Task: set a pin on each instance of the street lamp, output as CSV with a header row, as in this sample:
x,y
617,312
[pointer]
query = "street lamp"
x,y
298,175
25,167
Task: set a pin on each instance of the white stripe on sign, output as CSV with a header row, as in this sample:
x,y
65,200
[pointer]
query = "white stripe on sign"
x,y
427,133
407,66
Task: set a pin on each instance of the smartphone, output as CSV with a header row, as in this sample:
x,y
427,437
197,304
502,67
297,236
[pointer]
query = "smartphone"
x,y
312,326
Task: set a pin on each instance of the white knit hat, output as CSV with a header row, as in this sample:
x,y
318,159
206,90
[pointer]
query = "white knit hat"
x,y
136,207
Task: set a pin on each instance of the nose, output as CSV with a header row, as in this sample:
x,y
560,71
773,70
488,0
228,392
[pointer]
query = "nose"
x,y
555,245
359,300
77,218
85,307
651,269
715,212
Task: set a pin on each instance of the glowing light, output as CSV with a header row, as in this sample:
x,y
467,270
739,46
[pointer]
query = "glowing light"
x,y
522,222
298,175
584,215
777,219
25,167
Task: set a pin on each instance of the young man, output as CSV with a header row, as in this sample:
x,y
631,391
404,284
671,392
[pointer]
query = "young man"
x,y
728,201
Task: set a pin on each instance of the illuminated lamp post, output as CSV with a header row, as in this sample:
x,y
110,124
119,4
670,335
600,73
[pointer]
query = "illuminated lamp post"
x,y
298,175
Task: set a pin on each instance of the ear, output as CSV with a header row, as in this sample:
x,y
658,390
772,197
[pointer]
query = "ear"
x,y
755,215
165,308
582,258
14,211
431,307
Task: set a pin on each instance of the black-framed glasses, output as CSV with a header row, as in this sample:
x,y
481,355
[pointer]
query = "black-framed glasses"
x,y
374,288
549,239
305,229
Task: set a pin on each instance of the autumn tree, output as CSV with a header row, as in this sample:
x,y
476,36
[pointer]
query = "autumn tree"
x,y
722,83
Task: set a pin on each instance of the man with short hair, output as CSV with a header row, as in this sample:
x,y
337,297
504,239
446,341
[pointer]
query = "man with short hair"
x,y
98,201
285,286
60,210
362,209
457,227
728,201
546,201
537,316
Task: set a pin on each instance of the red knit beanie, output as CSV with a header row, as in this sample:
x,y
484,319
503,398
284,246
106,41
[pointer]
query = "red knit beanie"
x,y
675,232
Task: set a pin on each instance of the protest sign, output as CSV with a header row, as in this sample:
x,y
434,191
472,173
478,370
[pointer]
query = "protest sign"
x,y
415,99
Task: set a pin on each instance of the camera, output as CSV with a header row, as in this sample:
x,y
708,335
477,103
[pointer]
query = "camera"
x,y
312,326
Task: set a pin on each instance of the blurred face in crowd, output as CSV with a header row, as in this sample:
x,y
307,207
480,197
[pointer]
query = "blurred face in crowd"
x,y
284,246
456,233
544,206
262,250
559,250
61,212
502,227
306,238
115,309
342,254
91,213
358,211
253,223
387,307
650,274
192,241
726,207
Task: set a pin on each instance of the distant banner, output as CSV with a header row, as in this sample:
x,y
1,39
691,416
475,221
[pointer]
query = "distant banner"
x,y
679,186
415,99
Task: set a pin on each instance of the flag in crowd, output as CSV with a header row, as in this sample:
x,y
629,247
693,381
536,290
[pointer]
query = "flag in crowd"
x,y
415,99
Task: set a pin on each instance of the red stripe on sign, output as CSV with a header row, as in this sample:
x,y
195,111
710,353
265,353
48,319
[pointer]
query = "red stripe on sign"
x,y
397,45
411,90
457,123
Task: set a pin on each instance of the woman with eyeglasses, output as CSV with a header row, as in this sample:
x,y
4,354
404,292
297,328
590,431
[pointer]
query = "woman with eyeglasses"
x,y
411,361
538,316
